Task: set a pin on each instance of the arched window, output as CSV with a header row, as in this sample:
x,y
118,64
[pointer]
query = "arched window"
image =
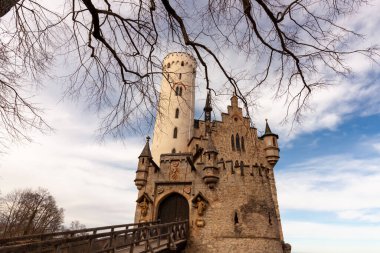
x,y
237,142
232,142
175,133
242,144
169,65
176,113
182,63
274,141
180,91
173,150
180,76
177,91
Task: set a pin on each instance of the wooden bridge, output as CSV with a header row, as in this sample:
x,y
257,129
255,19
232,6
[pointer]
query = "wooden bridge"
x,y
126,238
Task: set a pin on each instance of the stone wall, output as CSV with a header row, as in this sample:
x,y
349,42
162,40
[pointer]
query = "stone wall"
x,y
240,214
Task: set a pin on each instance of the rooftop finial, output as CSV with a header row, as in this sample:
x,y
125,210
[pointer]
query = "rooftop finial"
x,y
146,150
208,110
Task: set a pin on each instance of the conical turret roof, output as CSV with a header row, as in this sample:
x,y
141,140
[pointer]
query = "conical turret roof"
x,y
210,145
268,131
146,150
267,128
208,107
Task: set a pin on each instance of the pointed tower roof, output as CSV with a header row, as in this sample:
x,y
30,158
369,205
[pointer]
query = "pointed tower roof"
x,y
267,128
268,131
210,145
146,150
208,107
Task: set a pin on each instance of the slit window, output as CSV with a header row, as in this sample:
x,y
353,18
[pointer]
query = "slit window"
x,y
177,91
180,76
180,91
233,142
182,63
237,142
236,218
242,144
176,113
168,65
175,132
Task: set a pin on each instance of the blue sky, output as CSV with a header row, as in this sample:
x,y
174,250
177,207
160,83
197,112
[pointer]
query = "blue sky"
x,y
328,177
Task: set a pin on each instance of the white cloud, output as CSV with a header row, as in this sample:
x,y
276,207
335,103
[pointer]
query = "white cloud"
x,y
311,237
334,183
92,181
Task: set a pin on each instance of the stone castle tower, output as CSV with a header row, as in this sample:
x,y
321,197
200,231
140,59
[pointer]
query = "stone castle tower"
x,y
216,174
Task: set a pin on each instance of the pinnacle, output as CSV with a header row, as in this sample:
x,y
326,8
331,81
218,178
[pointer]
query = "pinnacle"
x,y
146,150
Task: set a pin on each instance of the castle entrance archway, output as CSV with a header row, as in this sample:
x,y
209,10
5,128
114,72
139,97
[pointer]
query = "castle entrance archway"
x,y
173,208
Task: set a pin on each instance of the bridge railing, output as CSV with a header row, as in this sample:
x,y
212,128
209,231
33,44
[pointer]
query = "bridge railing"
x,y
136,237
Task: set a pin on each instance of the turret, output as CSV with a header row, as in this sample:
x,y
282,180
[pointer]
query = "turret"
x,y
142,168
211,170
271,145
175,116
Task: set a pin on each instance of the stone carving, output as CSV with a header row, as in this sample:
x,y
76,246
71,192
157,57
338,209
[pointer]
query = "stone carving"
x,y
160,189
174,170
144,208
200,222
187,189
201,206
200,203
143,203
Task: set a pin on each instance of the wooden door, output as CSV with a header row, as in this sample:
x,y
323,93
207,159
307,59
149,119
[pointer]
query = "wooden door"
x,y
173,208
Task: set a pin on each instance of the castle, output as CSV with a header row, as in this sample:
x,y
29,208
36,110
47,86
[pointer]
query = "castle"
x,y
217,174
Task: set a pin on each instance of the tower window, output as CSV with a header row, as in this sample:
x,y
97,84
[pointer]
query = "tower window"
x,y
274,141
176,113
178,91
232,142
242,144
182,63
237,142
175,133
180,76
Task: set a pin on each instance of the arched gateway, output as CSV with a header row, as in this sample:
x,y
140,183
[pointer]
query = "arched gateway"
x,y
173,208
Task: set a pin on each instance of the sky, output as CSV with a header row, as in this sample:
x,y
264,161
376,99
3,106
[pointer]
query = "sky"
x,y
328,177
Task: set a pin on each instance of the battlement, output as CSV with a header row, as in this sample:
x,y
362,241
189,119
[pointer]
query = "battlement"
x,y
179,59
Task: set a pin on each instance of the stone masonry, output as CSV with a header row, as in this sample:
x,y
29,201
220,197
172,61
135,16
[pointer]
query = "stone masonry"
x,y
225,173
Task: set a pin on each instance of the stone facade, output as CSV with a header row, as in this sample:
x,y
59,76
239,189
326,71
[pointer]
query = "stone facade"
x,y
226,175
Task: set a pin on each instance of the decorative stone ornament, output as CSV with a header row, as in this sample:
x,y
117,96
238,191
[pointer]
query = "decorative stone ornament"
x,y
200,222
200,203
174,170
143,202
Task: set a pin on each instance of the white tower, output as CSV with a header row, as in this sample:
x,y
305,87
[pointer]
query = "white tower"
x,y
175,117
